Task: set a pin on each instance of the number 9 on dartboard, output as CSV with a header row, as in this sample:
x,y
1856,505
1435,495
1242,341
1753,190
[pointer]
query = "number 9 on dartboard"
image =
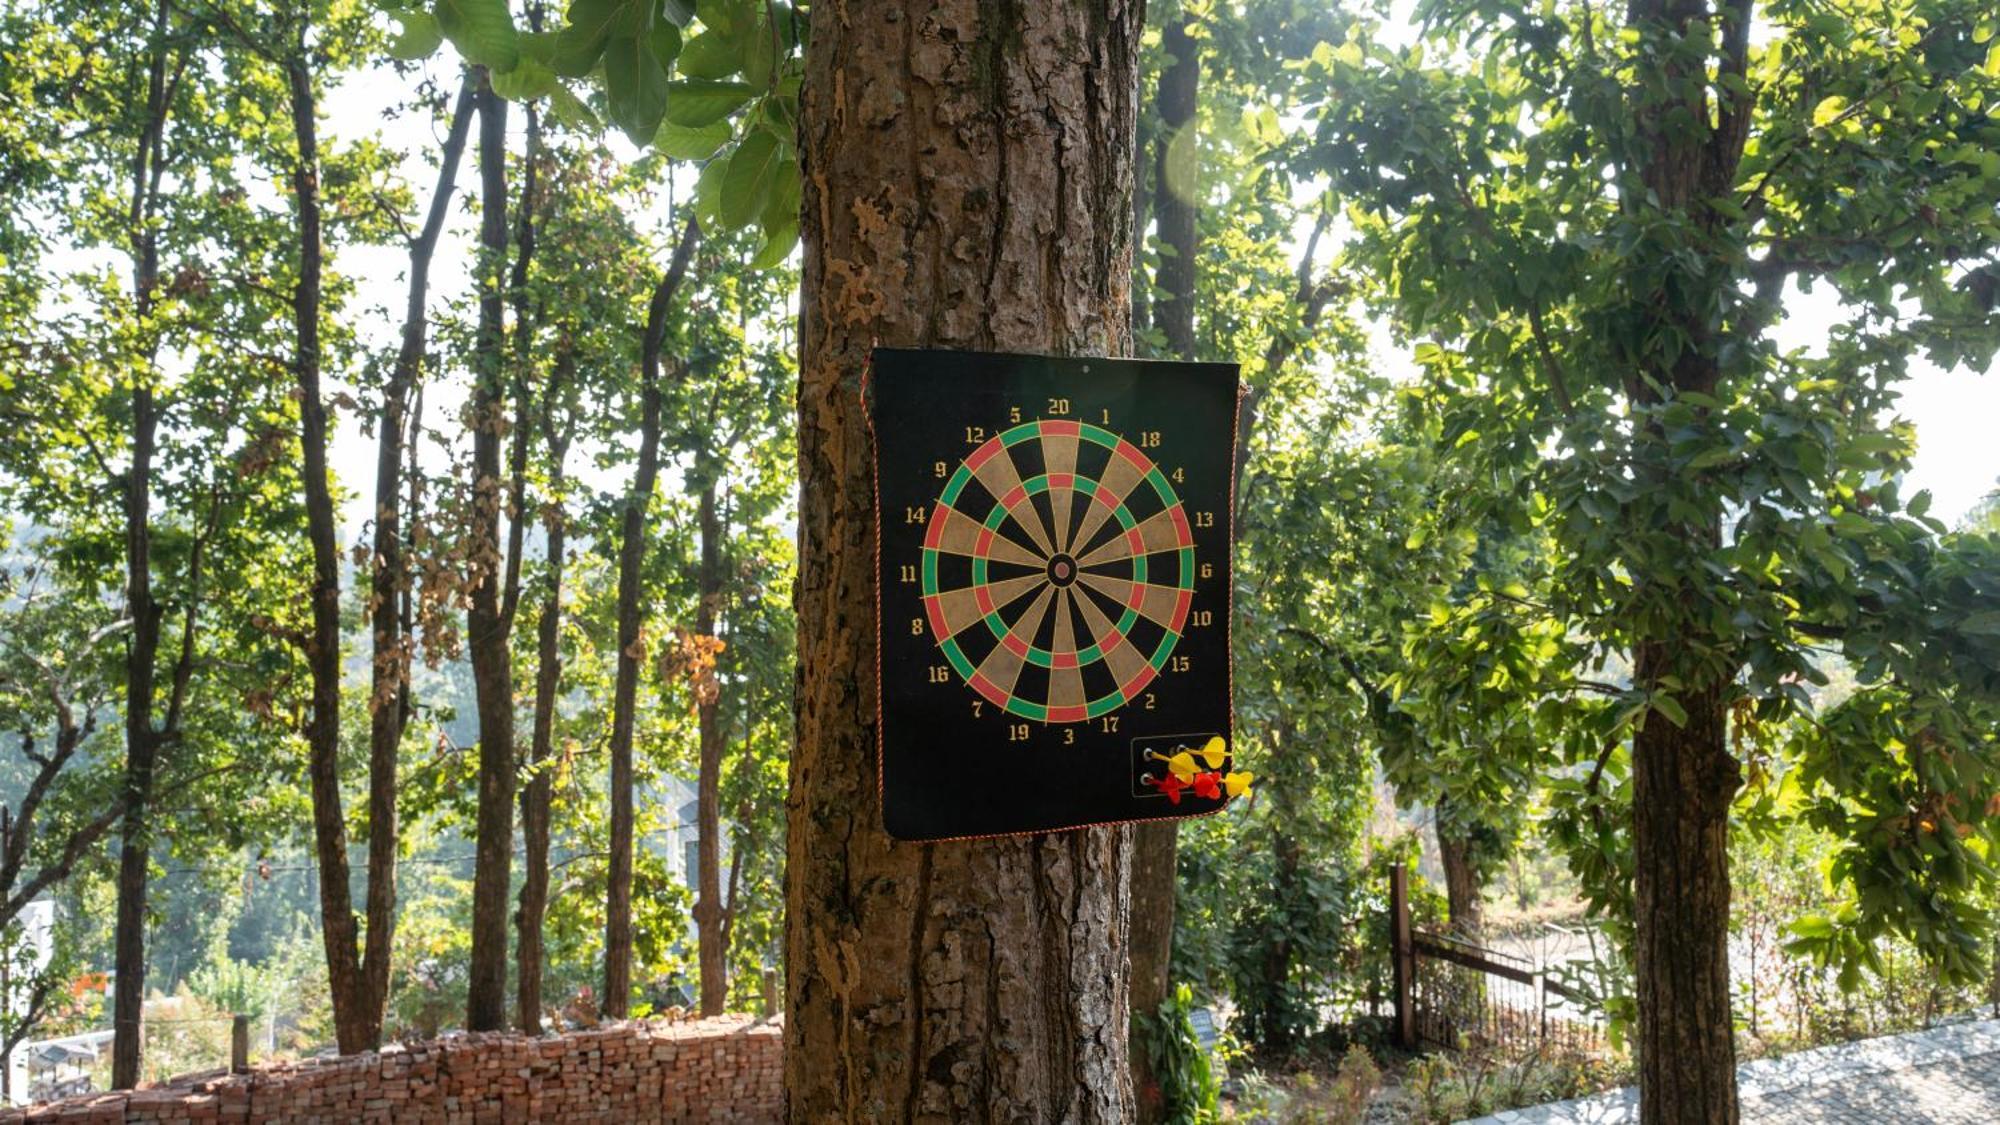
x,y
1054,567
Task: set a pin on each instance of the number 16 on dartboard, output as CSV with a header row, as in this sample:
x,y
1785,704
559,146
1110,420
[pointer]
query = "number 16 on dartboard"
x,y
1054,553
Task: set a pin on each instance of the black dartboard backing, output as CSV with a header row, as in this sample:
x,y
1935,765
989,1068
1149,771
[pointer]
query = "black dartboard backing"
x,y
1054,547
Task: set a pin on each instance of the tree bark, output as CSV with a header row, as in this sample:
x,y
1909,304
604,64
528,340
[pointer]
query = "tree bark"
x,y
1682,782
486,626
712,945
625,691
535,797
141,744
1176,181
1463,889
389,583
967,184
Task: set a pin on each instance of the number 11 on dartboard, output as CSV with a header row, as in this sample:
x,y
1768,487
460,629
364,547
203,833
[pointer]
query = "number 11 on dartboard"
x,y
1054,560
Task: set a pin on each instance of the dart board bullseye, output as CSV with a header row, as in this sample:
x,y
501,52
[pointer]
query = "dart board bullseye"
x,y
1054,542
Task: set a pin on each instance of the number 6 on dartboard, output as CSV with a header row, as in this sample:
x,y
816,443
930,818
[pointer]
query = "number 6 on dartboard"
x,y
1055,585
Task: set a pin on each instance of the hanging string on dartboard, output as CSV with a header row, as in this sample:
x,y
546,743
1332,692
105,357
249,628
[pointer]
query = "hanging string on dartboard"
x,y
1057,571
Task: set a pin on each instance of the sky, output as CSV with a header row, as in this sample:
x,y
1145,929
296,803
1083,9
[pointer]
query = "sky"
x,y
1956,413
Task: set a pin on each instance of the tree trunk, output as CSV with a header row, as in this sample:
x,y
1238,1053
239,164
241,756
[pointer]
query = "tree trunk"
x,y
712,945
1683,777
142,647
1155,844
1176,182
535,797
1682,782
967,184
486,626
1462,888
355,1029
389,683
625,692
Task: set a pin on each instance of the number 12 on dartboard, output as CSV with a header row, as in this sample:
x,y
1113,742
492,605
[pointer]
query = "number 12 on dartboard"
x,y
1054,561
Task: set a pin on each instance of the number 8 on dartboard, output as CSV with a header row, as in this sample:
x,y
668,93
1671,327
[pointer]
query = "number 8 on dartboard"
x,y
1054,550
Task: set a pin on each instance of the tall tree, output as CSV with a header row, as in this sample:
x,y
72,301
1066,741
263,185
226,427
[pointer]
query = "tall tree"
x,y
163,66
487,627
390,576
949,979
625,693
355,1030
1592,240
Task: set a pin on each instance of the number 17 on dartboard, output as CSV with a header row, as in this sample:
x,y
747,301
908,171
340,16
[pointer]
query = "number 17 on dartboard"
x,y
1054,559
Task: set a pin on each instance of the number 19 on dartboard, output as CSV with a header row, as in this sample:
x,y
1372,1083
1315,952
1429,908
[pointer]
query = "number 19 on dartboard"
x,y
1054,541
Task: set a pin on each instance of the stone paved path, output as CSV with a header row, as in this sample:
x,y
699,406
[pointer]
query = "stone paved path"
x,y
1948,1075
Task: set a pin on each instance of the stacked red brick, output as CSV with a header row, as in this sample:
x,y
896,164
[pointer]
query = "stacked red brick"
x,y
726,1069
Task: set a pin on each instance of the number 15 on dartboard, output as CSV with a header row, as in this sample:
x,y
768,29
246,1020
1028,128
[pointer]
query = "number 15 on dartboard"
x,y
1054,552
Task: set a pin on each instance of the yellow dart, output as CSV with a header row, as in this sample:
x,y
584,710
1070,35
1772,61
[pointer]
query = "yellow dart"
x,y
1237,782
1215,752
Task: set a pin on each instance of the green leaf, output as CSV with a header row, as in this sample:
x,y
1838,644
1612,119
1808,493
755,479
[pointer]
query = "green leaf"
x,y
747,184
1985,623
776,247
635,87
571,111
419,38
708,194
694,103
723,15
1670,707
1828,109
482,30
666,44
526,82
678,142
579,45
711,55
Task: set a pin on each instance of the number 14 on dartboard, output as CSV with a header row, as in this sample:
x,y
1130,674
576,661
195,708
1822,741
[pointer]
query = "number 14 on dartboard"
x,y
1054,550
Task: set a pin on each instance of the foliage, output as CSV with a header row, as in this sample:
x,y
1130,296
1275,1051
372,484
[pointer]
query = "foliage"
x,y
1189,1088
1455,1087
715,82
1497,176
1302,1099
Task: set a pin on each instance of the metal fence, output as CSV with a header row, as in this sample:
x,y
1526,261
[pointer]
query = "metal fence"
x,y
1459,995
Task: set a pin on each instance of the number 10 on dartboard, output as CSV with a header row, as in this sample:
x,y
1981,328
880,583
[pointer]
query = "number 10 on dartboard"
x,y
1054,550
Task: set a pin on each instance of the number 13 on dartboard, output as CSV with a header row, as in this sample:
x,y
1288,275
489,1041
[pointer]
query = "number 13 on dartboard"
x,y
1054,560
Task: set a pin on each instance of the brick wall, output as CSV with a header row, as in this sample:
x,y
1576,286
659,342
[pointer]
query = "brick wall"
x,y
725,1069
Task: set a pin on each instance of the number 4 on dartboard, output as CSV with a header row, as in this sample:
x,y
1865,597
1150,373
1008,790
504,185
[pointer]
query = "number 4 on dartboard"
x,y
1066,594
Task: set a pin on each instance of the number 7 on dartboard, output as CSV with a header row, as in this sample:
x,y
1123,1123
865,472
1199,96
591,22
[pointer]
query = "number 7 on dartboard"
x,y
1054,564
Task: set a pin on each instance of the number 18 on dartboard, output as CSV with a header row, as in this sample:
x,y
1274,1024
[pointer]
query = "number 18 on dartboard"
x,y
1054,539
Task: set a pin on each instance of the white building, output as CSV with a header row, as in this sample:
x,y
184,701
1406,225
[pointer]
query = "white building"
x,y
37,921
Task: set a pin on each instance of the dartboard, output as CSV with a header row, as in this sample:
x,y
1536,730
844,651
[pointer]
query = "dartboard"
x,y
1053,549
1084,570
